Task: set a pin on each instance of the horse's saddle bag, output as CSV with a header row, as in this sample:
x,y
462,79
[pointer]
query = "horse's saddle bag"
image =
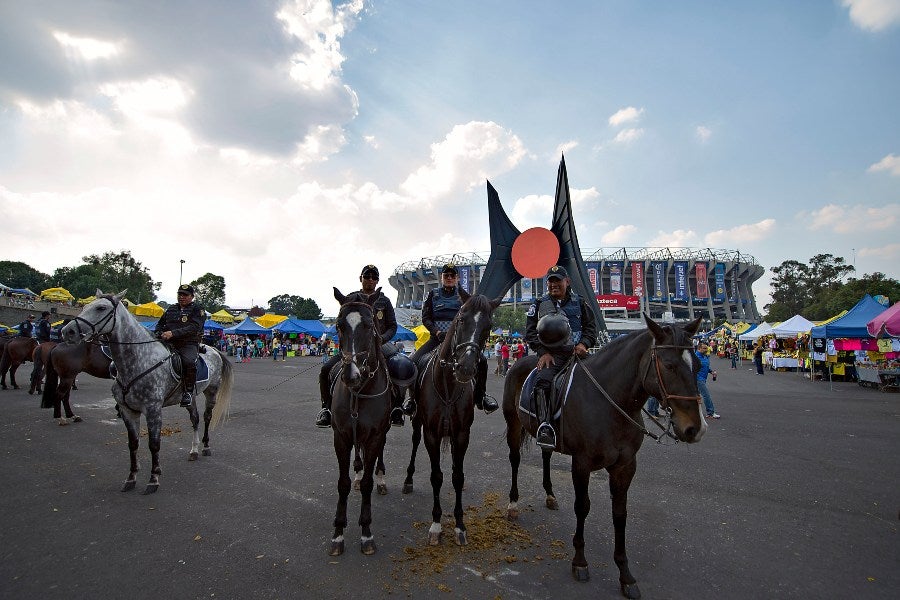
x,y
559,389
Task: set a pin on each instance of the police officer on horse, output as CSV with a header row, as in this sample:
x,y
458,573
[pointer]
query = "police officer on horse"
x,y
386,324
26,327
182,325
42,331
438,311
559,325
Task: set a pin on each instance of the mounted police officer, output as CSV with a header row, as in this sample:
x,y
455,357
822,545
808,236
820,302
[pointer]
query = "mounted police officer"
x,y
399,366
438,311
182,326
559,325
42,331
26,327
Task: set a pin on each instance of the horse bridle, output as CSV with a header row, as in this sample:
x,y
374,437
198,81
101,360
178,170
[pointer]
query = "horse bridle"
x,y
456,347
654,358
96,327
365,368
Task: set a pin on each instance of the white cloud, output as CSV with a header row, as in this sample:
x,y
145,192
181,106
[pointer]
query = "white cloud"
x,y
850,219
371,141
675,239
625,115
889,163
618,236
741,234
86,48
703,133
873,15
565,147
627,136
534,210
887,252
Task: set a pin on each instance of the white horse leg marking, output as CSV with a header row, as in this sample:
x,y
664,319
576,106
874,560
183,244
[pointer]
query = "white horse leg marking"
x,y
435,528
338,539
357,479
379,479
366,538
195,445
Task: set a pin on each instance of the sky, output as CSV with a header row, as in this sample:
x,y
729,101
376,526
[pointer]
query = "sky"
x,y
284,145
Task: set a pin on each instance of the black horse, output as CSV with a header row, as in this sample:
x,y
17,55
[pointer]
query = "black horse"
x,y
361,409
444,405
63,364
601,425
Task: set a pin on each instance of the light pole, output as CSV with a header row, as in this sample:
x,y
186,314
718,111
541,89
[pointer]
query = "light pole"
x,y
180,271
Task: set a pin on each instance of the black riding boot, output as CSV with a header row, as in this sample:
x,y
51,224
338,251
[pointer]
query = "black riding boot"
x,y
323,419
545,436
187,394
396,411
482,401
188,381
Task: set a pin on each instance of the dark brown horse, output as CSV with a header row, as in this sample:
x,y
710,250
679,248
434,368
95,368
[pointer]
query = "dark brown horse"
x,y
444,405
17,351
40,357
361,409
601,425
63,365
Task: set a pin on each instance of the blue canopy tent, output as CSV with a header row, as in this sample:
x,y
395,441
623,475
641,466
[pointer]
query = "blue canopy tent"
x,y
151,325
247,327
403,334
853,324
313,328
210,324
22,291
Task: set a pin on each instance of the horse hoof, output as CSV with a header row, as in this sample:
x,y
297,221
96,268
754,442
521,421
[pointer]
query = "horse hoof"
x,y
63,422
434,539
31,392
552,504
367,547
461,538
77,419
129,485
207,452
581,573
193,456
382,489
407,488
630,590
151,488
512,514
337,548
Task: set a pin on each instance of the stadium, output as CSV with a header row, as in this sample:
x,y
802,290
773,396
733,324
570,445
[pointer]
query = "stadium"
x,y
669,283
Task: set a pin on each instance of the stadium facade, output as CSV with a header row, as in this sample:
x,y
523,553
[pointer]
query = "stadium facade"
x,y
669,283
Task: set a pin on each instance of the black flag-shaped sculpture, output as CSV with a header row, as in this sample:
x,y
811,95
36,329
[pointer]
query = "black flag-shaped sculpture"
x,y
500,274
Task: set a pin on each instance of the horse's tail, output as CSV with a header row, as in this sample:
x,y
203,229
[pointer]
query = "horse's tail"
x,y
223,395
51,383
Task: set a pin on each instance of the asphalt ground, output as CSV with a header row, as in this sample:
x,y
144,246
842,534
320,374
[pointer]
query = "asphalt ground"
x,y
793,493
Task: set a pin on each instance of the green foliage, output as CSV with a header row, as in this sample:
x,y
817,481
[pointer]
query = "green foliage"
x,y
19,275
209,291
110,272
510,318
300,307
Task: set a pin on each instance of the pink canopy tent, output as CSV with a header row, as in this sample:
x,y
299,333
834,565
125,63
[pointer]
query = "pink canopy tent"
x,y
886,324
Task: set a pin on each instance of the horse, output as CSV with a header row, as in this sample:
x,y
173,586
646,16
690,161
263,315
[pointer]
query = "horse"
x,y
601,425
444,405
39,357
64,363
16,351
361,409
146,381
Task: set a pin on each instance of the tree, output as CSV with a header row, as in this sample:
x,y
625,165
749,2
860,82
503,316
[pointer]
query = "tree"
x,y
209,290
847,295
19,275
282,304
804,289
300,307
110,272
307,308
510,318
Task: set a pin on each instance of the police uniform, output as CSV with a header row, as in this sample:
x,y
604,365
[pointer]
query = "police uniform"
x,y
26,327
186,325
43,330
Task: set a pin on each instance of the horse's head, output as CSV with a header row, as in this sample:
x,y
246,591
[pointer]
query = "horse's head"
x,y
670,375
96,319
358,338
467,334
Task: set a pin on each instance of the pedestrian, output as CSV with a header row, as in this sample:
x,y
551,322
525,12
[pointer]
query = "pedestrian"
x,y
733,349
504,356
702,374
758,358
497,347
275,346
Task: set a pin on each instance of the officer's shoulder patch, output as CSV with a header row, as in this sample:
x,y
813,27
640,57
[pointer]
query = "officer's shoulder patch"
x,y
532,310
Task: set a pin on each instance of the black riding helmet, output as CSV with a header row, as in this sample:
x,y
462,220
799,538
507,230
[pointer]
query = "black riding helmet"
x,y
553,330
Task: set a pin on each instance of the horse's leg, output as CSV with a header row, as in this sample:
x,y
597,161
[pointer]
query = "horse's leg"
x,y
132,421
619,482
68,408
373,449
433,445
581,477
357,468
458,451
12,375
37,374
195,425
514,442
209,405
154,428
342,450
411,469
551,502
4,367
380,485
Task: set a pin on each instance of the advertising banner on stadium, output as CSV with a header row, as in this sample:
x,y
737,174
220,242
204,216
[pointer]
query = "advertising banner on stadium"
x,y
681,283
658,269
527,294
720,281
593,271
619,301
637,279
464,278
732,297
702,281
615,276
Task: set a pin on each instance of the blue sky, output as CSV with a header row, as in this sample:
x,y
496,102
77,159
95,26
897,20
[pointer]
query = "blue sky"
x,y
283,145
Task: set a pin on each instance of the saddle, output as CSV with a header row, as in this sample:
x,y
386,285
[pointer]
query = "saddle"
x,y
559,392
202,367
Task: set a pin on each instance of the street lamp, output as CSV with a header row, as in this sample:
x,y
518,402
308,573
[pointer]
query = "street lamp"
x,y
180,271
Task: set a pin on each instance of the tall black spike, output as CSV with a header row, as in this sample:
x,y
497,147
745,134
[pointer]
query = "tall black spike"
x,y
500,274
569,251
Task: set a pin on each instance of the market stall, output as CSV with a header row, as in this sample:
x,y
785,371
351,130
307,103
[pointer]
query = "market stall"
x,y
843,343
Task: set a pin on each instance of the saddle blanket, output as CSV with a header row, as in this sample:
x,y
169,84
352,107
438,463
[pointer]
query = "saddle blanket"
x,y
202,367
562,383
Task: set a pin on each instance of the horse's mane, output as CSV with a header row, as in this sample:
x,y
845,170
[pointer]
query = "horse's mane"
x,y
479,302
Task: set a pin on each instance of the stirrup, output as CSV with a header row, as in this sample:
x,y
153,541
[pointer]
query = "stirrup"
x,y
323,419
397,417
545,436
186,399
489,404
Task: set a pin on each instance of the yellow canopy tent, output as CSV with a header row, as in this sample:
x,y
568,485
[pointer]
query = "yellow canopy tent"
x,y
88,300
222,316
422,335
269,320
149,309
835,317
57,294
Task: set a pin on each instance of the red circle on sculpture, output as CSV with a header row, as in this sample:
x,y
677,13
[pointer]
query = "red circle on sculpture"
x,y
534,252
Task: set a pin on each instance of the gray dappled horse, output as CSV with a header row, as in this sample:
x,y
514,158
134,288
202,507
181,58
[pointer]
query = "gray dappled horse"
x,y
601,425
145,380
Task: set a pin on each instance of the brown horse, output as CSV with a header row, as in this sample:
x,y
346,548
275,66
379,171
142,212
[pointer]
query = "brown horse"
x,y
601,425
63,364
40,357
17,351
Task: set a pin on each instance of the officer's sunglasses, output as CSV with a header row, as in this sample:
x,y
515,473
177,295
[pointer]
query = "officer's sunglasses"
x,y
371,277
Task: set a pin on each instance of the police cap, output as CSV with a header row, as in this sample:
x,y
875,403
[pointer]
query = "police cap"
x,y
186,288
558,272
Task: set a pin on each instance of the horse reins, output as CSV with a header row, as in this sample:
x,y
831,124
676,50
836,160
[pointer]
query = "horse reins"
x,y
664,401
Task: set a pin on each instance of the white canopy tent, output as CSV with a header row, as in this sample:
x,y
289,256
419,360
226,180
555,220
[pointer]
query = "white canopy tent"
x,y
793,327
753,335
